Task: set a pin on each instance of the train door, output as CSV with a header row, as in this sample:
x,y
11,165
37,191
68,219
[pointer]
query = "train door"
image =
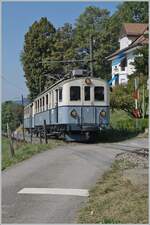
x,y
87,109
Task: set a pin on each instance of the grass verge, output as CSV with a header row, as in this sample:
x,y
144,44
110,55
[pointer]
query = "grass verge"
x,y
23,151
115,200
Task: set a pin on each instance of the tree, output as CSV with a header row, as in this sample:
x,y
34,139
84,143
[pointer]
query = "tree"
x,y
91,23
12,113
38,46
122,97
44,45
141,63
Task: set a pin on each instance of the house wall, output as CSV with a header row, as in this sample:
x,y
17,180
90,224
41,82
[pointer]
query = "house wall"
x,y
126,41
130,59
129,69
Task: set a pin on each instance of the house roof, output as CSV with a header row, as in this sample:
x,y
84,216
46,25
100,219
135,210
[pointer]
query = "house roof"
x,y
133,29
140,40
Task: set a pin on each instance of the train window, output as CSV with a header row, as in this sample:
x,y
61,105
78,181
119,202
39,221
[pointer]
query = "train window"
x,y
47,101
75,93
40,104
43,103
87,93
99,93
60,94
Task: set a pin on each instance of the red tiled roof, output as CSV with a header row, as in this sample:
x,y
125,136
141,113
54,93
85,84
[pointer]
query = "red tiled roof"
x,y
134,29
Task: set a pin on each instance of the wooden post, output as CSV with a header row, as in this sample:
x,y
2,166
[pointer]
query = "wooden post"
x,y
40,138
23,118
31,134
12,152
45,132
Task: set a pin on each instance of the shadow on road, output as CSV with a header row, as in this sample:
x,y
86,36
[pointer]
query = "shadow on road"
x,y
115,135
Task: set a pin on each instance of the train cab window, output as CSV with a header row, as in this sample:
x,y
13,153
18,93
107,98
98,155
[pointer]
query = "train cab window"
x,y
60,94
87,93
99,93
75,93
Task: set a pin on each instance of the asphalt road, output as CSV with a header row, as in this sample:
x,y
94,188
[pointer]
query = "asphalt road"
x,y
76,166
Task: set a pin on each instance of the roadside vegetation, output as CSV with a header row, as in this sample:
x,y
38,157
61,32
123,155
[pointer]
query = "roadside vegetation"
x,y
122,127
23,151
116,200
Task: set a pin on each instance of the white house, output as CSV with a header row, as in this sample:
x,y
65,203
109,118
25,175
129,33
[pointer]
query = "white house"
x,y
132,36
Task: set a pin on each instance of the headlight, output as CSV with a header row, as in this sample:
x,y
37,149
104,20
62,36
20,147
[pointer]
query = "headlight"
x,y
74,113
88,81
102,113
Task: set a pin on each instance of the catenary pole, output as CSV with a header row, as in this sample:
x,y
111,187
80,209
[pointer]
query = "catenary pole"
x,y
91,55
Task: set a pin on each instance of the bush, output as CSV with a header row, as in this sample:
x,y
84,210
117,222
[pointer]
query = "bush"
x,y
132,124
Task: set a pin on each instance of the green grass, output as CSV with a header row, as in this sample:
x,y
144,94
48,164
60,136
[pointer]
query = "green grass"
x,y
118,115
23,151
115,200
122,127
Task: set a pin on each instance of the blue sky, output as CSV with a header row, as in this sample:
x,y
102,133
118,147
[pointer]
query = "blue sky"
x,y
16,19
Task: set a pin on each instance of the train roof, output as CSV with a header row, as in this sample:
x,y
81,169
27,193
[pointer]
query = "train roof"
x,y
64,79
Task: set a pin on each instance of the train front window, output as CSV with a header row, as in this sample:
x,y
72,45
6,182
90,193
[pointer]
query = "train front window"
x,y
87,93
99,93
75,93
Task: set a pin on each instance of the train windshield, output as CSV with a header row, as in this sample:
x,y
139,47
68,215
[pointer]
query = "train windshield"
x,y
75,93
99,93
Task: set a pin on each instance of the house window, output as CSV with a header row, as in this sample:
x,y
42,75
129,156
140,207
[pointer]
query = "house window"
x,y
99,93
87,93
75,93
123,64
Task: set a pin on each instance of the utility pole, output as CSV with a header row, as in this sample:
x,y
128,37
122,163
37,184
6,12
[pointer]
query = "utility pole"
x,y
91,55
23,118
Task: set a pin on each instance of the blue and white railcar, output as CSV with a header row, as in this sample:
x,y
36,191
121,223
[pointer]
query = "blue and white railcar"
x,y
76,108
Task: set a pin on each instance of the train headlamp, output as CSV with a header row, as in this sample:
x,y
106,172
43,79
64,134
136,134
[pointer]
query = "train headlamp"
x,y
74,113
88,81
103,113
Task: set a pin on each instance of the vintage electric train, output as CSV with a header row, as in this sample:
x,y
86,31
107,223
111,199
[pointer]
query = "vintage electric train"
x,y
75,108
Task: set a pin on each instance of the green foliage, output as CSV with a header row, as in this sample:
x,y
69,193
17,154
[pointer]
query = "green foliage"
x,y
141,64
12,114
121,97
38,45
44,44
